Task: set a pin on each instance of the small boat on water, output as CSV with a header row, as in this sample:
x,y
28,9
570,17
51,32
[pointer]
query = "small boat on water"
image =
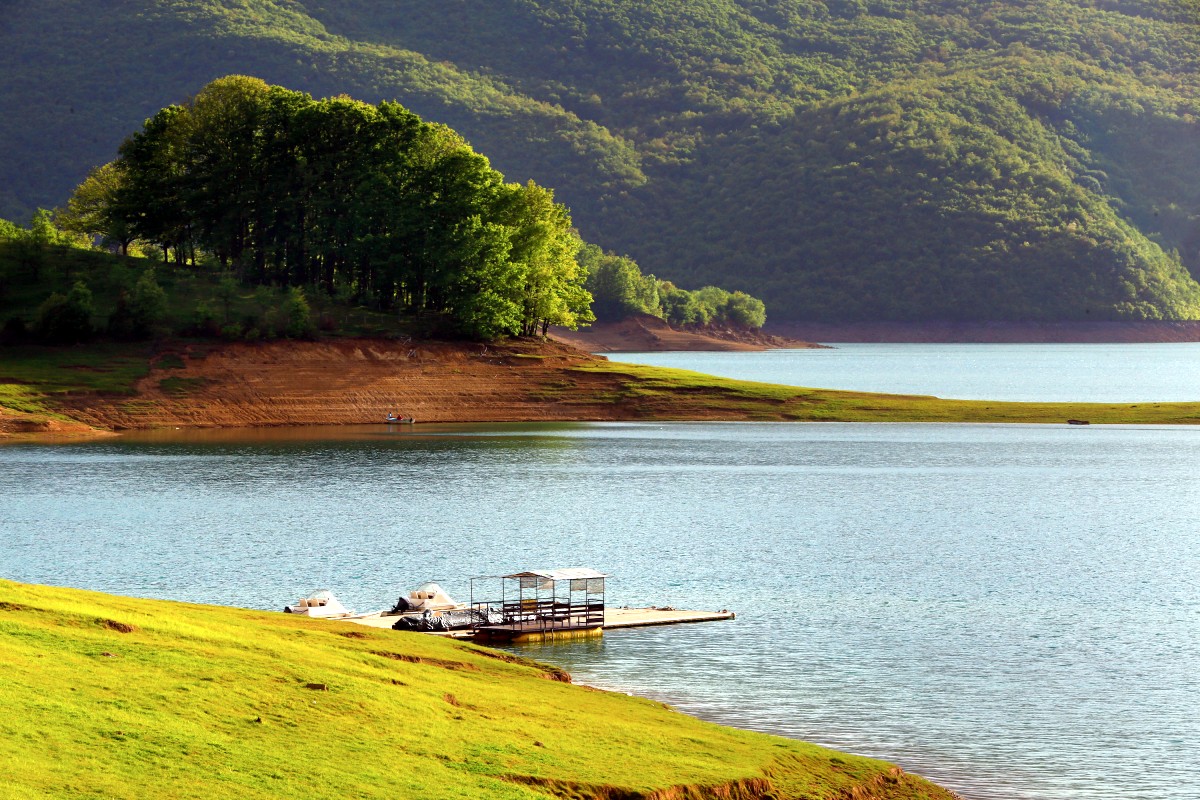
x,y
320,603
391,419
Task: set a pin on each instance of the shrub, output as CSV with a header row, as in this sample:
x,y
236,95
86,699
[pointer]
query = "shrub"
x,y
746,311
204,320
14,331
140,311
147,305
66,319
297,316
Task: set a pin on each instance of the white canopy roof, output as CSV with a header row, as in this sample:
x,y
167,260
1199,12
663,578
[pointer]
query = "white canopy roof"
x,y
570,573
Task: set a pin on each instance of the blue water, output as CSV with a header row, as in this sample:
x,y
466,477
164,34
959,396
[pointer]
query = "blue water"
x,y
1013,611
1108,373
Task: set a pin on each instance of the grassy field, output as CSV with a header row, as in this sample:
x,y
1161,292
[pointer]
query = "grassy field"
x,y
104,696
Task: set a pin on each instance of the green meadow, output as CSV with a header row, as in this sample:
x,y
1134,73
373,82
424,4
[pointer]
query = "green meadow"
x,y
104,696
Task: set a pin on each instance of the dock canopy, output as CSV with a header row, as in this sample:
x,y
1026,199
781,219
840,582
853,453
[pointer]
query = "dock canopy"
x,y
543,603
546,578
570,573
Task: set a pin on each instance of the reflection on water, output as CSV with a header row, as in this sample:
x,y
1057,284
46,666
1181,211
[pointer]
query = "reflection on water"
x,y
1011,610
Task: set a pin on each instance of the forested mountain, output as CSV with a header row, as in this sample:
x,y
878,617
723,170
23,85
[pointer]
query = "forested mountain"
x,y
845,159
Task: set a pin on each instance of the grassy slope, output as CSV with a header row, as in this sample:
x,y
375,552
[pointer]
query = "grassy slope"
x,y
117,697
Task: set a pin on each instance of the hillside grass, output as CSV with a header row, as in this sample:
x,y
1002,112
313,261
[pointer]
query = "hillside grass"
x,y
680,392
104,696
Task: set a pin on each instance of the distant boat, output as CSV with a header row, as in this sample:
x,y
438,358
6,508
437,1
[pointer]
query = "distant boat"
x,y
320,603
390,419
1078,422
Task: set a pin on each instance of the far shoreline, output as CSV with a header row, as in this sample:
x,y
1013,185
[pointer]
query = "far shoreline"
x,y
950,332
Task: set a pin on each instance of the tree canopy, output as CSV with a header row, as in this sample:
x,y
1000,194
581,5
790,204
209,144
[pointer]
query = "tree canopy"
x,y
340,194
621,290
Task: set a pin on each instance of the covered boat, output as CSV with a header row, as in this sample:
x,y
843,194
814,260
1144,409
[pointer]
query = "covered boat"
x,y
320,603
426,597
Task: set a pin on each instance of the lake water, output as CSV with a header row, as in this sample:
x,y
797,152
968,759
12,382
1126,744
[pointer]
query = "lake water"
x,y
1013,611
1108,373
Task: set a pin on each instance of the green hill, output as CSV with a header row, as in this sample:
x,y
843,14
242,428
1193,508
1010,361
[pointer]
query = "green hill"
x,y
116,697
842,159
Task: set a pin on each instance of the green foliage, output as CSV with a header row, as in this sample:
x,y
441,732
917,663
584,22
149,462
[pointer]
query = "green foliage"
x,y
618,286
140,311
285,189
147,303
89,211
902,159
297,316
66,319
43,232
196,301
621,290
745,311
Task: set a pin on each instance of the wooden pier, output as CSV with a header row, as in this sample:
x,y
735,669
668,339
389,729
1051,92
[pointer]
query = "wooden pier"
x,y
645,617
614,618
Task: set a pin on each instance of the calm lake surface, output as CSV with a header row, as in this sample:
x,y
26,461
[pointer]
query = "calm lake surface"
x,y
1101,373
1012,611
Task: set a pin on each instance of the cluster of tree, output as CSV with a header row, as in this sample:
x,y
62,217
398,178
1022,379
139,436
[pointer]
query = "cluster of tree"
x,y
621,290
57,288
43,231
284,189
824,153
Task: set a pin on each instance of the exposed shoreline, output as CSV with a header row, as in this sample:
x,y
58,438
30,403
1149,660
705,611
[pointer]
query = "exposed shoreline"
x,y
644,334
358,381
990,332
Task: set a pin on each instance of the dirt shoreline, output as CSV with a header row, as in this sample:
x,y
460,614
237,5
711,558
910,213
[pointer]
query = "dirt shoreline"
x,y
359,381
646,334
356,381
990,332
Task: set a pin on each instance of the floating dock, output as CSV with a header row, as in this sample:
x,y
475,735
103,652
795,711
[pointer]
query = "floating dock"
x,y
645,617
614,618
531,606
